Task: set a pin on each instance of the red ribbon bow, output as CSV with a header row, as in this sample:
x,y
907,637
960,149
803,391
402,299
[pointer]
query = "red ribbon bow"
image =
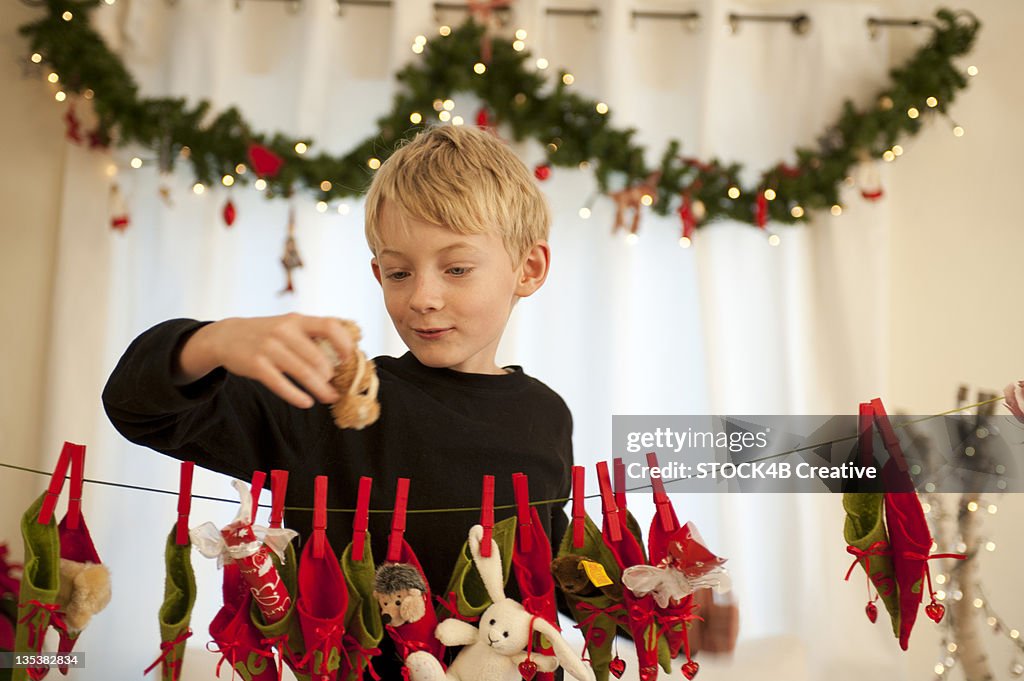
x,y
879,548
451,604
363,655
51,617
224,651
278,649
167,649
589,634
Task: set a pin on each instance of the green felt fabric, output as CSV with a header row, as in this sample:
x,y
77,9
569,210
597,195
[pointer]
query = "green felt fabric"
x,y
289,624
470,594
864,526
40,579
175,614
362,618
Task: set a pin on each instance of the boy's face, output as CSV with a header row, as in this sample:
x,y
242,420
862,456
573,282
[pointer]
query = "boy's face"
x,y
448,294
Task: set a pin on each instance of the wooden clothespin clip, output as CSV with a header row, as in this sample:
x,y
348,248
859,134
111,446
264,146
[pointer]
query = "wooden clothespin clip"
x,y
184,502
258,479
53,491
319,515
278,489
77,481
611,511
398,521
866,434
487,515
579,511
361,523
661,501
521,489
619,473
892,443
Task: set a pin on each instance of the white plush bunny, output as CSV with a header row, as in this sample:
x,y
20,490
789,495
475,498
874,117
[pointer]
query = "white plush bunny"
x,y
494,651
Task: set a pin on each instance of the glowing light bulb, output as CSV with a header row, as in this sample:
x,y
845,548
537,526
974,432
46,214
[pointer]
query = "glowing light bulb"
x,y
1014,634
769,194
972,506
940,669
88,93
300,147
240,169
325,186
444,116
520,34
774,240
36,58
568,78
913,112
445,31
972,70
647,199
417,48
584,212
958,131
479,68
992,509
260,184
632,238
542,63
836,209
990,546
601,108
136,162
684,242
198,188
374,163
518,45
415,118
889,155
448,104
940,579
343,209
940,595
60,96
321,206
438,105
457,120
67,16
584,165
420,39
53,77
932,102
227,180
797,211
978,603
951,647
734,192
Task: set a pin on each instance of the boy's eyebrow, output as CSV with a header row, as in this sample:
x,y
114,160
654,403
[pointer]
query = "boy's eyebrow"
x,y
452,247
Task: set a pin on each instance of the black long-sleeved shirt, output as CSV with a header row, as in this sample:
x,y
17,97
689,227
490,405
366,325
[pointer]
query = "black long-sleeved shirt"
x,y
441,428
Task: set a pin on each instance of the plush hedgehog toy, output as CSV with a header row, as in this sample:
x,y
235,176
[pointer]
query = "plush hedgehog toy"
x,y
399,590
356,381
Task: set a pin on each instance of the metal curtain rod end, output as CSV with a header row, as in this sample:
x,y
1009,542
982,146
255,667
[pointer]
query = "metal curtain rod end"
x,y
690,20
875,24
800,23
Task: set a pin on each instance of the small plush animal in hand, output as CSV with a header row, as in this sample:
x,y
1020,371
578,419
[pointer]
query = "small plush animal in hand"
x,y
498,649
356,381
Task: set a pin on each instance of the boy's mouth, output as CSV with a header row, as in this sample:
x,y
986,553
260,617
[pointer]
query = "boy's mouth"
x,y
432,333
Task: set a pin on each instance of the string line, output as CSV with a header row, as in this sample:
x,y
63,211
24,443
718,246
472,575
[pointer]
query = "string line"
x,y
466,509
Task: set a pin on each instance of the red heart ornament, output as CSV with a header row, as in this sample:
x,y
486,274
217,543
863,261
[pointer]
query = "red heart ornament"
x,y
542,172
690,669
872,612
649,673
229,213
617,667
935,611
528,669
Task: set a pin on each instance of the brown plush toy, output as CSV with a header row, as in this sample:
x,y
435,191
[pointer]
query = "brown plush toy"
x,y
399,589
84,591
572,578
356,381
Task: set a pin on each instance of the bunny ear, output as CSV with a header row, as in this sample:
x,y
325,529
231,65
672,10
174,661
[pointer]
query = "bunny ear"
x,y
490,567
567,657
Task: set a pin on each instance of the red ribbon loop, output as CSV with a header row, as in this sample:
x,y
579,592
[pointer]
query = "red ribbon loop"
x,y
879,548
51,617
166,649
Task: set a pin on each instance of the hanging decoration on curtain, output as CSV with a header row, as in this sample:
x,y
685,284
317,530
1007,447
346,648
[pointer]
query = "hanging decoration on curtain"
x,y
290,259
576,131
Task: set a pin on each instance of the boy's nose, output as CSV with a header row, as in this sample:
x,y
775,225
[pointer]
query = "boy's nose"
x,y
426,295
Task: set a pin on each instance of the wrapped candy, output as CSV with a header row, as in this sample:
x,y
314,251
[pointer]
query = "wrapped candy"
x,y
249,546
687,567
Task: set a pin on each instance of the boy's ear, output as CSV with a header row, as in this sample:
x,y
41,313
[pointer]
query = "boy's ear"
x,y
376,270
534,269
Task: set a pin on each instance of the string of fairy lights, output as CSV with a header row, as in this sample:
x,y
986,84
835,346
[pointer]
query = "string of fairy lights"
x,y
445,112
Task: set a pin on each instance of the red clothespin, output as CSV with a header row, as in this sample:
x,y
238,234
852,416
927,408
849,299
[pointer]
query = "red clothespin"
x,y
487,516
77,479
579,511
398,520
184,502
258,478
278,488
661,501
611,511
521,489
865,433
361,523
619,473
892,443
60,472
319,515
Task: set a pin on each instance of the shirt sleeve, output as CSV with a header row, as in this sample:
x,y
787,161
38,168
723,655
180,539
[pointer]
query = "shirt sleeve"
x,y
223,422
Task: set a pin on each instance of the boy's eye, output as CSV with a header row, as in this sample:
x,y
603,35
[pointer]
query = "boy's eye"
x,y
397,276
458,271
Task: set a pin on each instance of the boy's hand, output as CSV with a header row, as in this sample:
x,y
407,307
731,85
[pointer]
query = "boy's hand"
x,y
269,350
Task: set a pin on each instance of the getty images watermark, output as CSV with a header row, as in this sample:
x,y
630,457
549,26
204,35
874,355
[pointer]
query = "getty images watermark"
x,y
818,453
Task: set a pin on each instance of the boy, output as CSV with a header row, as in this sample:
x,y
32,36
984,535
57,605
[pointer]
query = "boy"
x,y
458,233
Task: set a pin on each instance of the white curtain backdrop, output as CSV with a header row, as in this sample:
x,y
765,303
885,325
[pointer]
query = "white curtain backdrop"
x,y
732,325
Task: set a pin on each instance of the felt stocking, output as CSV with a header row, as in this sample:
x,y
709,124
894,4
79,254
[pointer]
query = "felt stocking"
x,y
37,595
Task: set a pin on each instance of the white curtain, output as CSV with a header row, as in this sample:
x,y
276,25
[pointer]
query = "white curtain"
x,y
732,325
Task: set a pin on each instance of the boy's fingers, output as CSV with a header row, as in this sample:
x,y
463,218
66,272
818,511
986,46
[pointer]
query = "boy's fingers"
x,y
335,332
278,384
284,359
306,349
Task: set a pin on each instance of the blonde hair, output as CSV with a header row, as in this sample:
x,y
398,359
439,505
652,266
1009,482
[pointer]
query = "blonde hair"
x,y
462,178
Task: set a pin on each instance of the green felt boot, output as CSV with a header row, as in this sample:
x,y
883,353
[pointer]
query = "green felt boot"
x,y
40,579
865,528
362,618
471,597
286,632
175,613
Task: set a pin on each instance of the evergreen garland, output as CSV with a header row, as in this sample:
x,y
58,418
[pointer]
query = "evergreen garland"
x,y
568,124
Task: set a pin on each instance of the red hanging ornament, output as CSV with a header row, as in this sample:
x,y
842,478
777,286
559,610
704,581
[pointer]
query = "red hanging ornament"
x,y
686,215
690,669
542,171
788,170
483,118
99,139
528,669
617,667
871,610
229,213
935,611
483,13
265,162
73,125
291,259
869,180
761,215
119,219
